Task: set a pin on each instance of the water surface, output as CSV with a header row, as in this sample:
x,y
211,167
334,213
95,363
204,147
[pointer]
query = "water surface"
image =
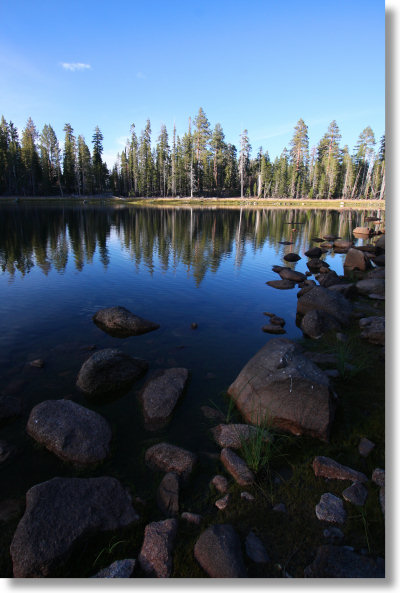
x,y
60,263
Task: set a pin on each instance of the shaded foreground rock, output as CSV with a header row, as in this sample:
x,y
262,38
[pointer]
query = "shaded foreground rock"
x,y
61,513
326,467
340,562
218,552
273,328
233,435
323,299
316,323
7,451
109,371
255,549
161,394
280,383
71,431
365,446
373,329
356,494
220,483
237,467
168,495
120,569
169,458
156,554
370,286
121,323
330,508
292,257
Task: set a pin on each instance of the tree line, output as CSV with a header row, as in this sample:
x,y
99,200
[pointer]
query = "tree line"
x,y
198,163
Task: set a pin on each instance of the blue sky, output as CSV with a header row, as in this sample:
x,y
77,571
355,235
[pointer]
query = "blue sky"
x,y
255,64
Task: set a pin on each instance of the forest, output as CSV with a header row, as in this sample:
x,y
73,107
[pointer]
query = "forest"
x,y
198,163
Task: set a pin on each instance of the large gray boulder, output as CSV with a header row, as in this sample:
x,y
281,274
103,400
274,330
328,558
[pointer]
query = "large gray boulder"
x,y
282,385
218,551
161,394
121,323
326,300
155,557
60,514
340,562
71,431
109,371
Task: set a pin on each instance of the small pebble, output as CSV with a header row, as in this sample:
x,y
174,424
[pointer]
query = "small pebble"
x,y
365,447
333,533
191,518
246,496
38,363
279,508
220,483
194,325
222,503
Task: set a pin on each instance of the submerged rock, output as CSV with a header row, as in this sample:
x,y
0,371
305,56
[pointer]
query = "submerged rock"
x,y
161,394
121,323
218,551
281,284
109,371
280,383
61,513
340,562
71,431
155,557
272,328
7,451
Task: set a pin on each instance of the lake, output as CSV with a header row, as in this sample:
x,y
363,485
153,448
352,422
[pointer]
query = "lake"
x,y
62,261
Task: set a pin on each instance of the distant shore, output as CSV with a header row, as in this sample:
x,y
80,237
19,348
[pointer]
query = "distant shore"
x,y
212,201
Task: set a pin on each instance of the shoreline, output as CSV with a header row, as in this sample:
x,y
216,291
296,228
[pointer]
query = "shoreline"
x,y
234,202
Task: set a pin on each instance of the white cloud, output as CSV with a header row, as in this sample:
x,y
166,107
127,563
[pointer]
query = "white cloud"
x,y
75,66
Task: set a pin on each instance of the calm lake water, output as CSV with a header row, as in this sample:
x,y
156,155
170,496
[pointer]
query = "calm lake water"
x,y
60,263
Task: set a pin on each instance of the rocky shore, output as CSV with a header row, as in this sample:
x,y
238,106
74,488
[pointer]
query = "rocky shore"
x,y
298,486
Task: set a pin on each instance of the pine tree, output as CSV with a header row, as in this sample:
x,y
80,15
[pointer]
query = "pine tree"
x,y
99,168
173,163
4,142
244,160
133,160
163,161
85,173
50,158
364,159
201,138
145,162
69,160
30,159
299,158
218,151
